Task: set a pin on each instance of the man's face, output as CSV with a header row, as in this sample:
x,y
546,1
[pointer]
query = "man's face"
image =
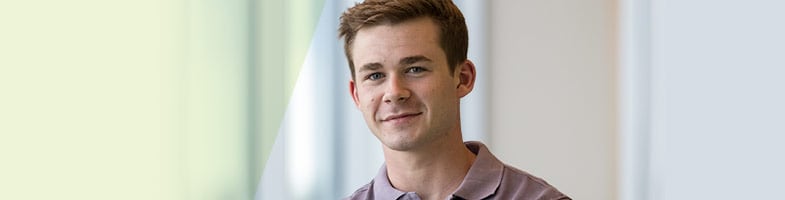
x,y
403,85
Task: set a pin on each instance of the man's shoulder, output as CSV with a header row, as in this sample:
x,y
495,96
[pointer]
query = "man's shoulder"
x,y
362,193
519,184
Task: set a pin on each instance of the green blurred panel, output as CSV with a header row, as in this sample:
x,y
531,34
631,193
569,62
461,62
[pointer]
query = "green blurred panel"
x,y
145,99
88,95
285,30
213,139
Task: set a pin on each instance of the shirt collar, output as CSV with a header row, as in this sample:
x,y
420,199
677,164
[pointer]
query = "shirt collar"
x,y
481,181
382,189
483,177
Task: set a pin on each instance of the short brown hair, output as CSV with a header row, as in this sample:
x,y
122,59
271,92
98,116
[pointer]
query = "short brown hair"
x,y
453,36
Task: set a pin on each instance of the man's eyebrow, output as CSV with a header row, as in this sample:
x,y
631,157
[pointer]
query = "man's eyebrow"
x,y
404,61
413,59
370,67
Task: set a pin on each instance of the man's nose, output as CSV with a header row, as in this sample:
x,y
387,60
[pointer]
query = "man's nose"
x,y
397,91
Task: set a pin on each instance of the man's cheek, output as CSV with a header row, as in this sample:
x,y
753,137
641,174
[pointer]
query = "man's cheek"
x,y
368,111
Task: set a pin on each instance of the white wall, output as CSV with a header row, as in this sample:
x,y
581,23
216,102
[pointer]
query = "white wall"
x,y
552,92
717,99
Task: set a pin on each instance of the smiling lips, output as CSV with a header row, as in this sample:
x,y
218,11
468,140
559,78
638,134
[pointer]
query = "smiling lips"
x,y
400,116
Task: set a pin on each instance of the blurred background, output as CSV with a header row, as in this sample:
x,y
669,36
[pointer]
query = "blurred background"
x,y
248,99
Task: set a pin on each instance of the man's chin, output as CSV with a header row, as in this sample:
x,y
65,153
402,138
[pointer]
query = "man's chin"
x,y
400,147
400,144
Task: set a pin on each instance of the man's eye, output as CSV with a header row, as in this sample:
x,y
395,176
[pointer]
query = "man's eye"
x,y
375,76
415,70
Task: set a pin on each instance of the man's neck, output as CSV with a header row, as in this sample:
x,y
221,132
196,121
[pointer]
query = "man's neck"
x,y
433,172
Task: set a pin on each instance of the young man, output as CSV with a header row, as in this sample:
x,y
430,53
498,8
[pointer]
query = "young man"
x,y
409,71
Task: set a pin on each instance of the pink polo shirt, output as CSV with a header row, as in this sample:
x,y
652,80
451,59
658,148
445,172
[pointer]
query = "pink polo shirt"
x,y
488,178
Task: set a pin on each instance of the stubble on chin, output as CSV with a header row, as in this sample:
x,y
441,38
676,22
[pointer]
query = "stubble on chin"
x,y
395,139
399,142
408,141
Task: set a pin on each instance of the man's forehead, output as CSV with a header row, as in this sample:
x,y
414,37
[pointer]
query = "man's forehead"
x,y
421,27
393,57
391,42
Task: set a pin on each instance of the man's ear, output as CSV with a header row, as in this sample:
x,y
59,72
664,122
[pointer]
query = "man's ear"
x,y
353,92
466,74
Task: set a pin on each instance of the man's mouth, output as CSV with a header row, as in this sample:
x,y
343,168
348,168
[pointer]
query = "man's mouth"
x,y
401,116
